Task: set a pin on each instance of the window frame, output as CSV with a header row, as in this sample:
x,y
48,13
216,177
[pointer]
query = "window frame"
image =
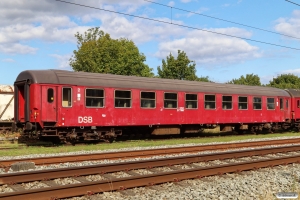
x,y
215,102
171,100
94,97
71,96
231,102
243,102
185,101
122,98
270,103
261,103
148,99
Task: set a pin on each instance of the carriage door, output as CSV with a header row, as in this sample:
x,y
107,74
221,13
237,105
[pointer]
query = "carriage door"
x,y
49,104
283,110
297,109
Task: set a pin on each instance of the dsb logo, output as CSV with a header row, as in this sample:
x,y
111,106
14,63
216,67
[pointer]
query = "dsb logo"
x,y
85,119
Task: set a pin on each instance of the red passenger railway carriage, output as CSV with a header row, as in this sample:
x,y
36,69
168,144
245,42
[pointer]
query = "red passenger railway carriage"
x,y
78,106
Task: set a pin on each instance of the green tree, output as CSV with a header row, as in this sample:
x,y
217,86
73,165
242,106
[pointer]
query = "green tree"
x,y
181,68
250,79
285,81
203,79
98,52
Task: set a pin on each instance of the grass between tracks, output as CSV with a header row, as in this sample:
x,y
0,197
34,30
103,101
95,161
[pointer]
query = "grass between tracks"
x,y
26,150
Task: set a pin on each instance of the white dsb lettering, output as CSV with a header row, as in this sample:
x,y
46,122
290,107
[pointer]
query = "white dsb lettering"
x,y
85,119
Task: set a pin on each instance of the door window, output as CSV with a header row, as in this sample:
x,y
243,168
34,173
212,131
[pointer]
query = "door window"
x,y
50,95
281,103
67,97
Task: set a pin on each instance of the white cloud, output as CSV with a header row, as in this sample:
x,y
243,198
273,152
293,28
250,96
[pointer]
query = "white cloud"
x,y
289,26
292,71
48,20
62,61
17,49
208,48
53,21
49,30
266,79
139,30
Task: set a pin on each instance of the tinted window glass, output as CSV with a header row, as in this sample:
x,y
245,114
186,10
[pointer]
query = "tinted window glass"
x,y
50,95
148,99
94,98
209,101
122,99
257,103
243,103
270,103
170,100
191,101
227,102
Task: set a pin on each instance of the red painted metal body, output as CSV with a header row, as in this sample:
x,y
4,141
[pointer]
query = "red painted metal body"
x,y
42,104
79,115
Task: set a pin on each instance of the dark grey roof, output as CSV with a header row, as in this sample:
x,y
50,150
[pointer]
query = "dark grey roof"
x,y
118,81
294,92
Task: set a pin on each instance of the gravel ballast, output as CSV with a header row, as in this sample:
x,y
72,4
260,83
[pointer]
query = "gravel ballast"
x,y
261,184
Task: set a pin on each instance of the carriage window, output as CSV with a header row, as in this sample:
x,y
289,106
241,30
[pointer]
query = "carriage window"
x,y
257,103
243,103
287,103
50,95
170,100
227,102
94,98
122,99
210,101
270,103
67,97
298,103
191,101
281,104
148,99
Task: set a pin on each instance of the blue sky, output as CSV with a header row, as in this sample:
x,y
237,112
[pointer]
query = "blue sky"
x,y
40,34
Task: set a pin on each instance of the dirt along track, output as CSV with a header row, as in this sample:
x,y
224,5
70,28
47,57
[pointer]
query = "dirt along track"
x,y
145,153
174,174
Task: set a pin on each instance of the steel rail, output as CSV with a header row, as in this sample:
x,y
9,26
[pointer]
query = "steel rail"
x,y
21,177
144,153
143,180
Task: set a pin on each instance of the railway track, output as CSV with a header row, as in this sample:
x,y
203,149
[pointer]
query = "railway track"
x,y
144,153
175,173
